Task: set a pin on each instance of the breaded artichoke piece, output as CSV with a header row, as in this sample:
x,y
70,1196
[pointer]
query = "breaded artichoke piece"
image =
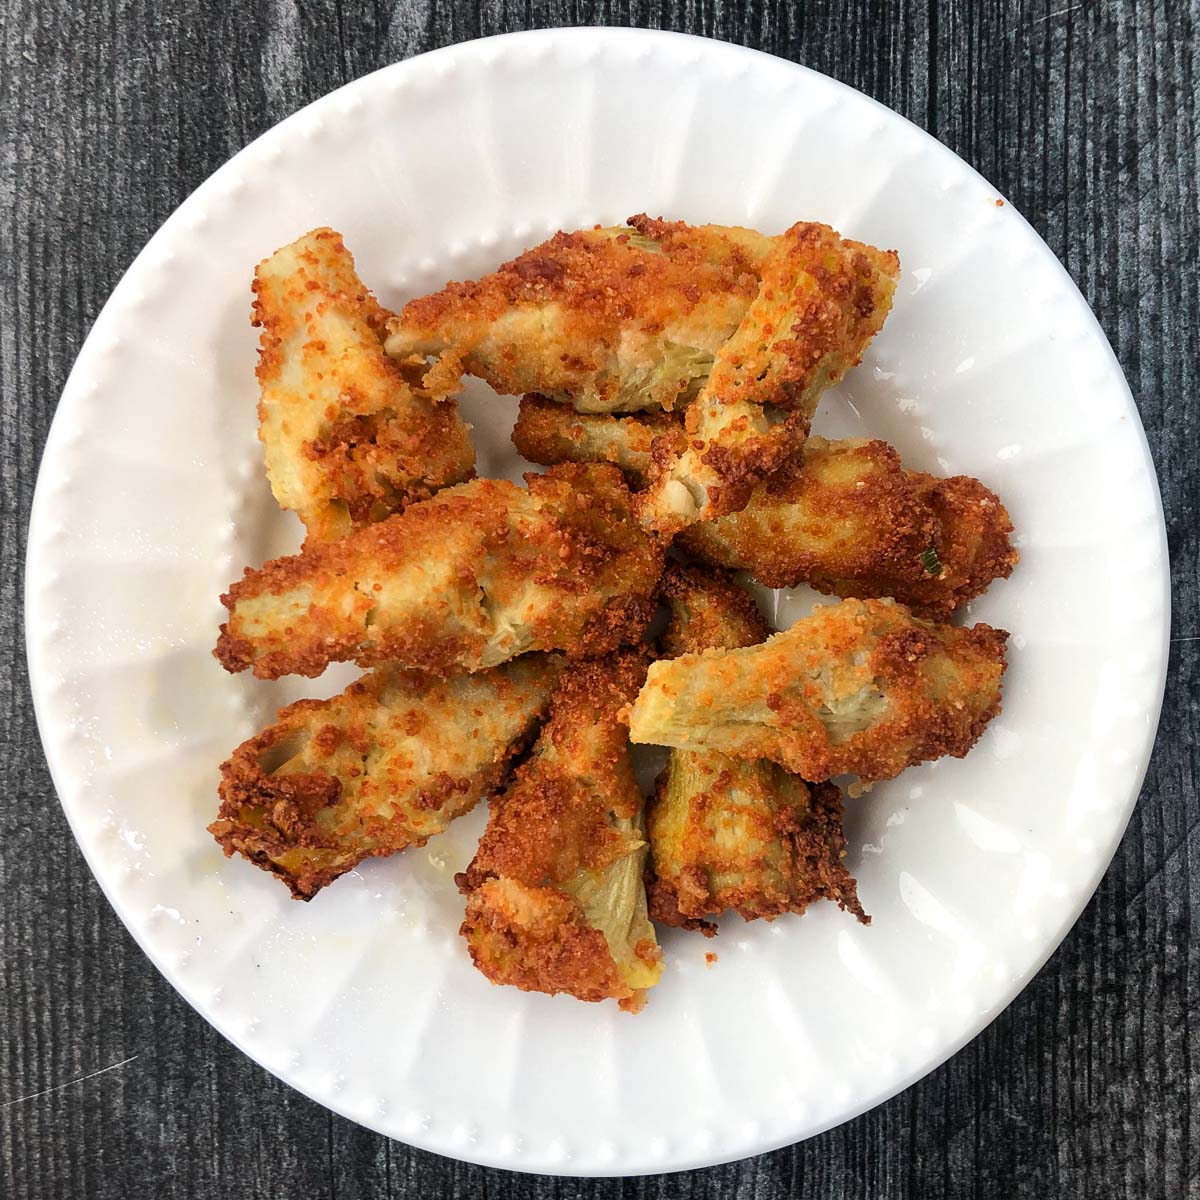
x,y
844,517
385,765
709,610
555,898
973,546
468,579
746,836
847,518
727,833
551,433
820,302
606,320
861,687
350,434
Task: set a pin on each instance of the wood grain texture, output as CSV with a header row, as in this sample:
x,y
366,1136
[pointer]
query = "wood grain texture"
x,y
1085,114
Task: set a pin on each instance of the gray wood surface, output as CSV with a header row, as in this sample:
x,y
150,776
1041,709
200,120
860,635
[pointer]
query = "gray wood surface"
x,y
111,112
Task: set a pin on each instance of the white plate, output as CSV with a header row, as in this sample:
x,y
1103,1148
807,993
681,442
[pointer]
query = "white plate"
x,y
152,498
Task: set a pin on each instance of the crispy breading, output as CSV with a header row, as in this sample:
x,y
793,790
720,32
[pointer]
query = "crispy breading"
x,y
385,765
551,433
746,836
727,833
709,610
350,434
860,687
973,545
848,519
606,320
844,517
555,899
820,302
472,577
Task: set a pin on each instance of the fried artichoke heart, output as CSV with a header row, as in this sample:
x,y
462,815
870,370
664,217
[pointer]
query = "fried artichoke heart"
x,y
605,320
550,433
861,687
821,300
386,764
844,517
847,519
727,833
350,435
555,898
468,579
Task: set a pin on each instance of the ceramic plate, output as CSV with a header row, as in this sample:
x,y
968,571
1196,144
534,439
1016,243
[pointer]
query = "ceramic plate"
x,y
152,498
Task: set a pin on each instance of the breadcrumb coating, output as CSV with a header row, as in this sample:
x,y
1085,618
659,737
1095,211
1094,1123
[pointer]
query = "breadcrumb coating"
x,y
605,320
820,302
488,610
555,898
743,836
350,435
708,610
973,546
736,834
847,518
550,433
859,688
385,765
844,517
468,579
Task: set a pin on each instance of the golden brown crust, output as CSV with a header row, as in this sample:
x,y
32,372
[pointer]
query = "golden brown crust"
x,y
844,517
550,433
789,850
604,319
709,610
828,297
847,519
550,823
973,544
860,687
537,939
839,511
730,834
555,898
732,447
820,301
669,900
350,435
729,246
386,764
470,578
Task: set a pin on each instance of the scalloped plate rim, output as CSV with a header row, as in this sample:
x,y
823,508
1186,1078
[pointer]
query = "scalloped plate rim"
x,y
40,517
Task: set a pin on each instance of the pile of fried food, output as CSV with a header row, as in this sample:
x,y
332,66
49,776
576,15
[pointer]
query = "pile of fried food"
x,y
669,375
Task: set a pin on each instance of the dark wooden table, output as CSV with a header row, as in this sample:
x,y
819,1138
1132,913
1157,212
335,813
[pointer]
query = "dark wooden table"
x,y
1085,114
